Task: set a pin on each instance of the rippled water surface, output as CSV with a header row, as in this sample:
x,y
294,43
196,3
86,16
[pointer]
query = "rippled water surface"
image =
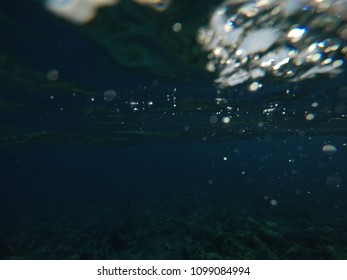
x,y
173,130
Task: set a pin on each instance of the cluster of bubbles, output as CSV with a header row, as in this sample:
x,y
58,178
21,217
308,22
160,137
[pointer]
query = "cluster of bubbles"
x,y
290,40
83,11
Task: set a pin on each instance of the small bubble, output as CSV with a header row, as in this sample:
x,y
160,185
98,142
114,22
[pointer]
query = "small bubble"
x,y
110,95
273,202
52,75
329,149
254,86
309,117
301,133
225,158
210,67
177,27
213,119
226,120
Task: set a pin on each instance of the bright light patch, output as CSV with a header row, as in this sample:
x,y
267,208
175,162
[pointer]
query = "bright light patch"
x,y
295,34
309,117
254,86
248,40
226,120
77,11
273,202
329,149
83,11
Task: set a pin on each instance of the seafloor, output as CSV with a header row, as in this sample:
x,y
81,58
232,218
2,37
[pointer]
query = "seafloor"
x,y
179,201
176,227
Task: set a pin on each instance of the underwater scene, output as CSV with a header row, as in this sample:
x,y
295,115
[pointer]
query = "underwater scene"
x,y
182,129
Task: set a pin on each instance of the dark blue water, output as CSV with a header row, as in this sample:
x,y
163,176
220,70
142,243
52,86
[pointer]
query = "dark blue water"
x,y
270,199
85,178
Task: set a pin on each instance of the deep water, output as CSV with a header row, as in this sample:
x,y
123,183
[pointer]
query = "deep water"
x,y
269,200
115,143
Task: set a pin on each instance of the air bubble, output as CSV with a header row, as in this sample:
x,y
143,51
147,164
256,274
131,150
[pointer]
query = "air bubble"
x,y
329,149
110,95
